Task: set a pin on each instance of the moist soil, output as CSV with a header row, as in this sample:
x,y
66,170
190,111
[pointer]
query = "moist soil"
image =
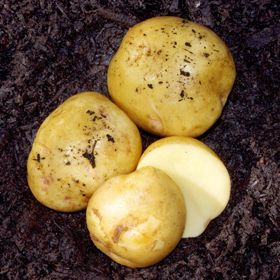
x,y
50,50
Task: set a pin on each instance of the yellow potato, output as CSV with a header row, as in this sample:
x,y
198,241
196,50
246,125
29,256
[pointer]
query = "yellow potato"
x,y
171,76
137,219
198,172
85,141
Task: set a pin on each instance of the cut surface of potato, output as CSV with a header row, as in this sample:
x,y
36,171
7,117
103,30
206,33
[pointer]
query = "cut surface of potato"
x,y
82,143
200,174
137,219
171,76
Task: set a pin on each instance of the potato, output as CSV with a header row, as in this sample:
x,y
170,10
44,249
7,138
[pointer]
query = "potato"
x,y
171,76
200,174
85,141
137,219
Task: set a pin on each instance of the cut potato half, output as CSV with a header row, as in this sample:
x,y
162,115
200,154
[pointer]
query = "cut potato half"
x,y
200,174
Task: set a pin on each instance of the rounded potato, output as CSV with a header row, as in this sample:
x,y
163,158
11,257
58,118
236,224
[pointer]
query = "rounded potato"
x,y
85,141
171,76
137,219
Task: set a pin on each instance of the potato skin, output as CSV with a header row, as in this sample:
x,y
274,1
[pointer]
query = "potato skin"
x,y
171,76
85,141
137,219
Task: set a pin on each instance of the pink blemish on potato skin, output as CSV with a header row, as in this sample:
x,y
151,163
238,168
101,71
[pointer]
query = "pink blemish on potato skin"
x,y
94,238
45,150
46,183
88,170
119,229
156,124
96,213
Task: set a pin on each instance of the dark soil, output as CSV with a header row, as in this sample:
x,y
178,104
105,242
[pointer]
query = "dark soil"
x,y
50,50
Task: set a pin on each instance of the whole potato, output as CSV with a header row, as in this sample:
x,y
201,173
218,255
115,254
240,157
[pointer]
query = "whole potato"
x,y
137,219
84,142
171,76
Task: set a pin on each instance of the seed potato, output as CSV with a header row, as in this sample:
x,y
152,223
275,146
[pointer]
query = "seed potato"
x,y
137,219
171,76
82,143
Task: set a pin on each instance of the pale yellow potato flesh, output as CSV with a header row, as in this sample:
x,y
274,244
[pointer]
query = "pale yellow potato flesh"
x,y
137,219
171,76
82,143
200,174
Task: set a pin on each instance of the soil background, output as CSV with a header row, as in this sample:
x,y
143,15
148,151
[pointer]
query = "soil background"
x,y
50,50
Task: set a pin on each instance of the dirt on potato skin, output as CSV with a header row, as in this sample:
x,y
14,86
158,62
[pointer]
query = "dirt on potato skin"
x,y
50,50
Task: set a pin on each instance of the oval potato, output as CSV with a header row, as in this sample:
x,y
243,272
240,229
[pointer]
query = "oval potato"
x,y
137,219
82,143
171,76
